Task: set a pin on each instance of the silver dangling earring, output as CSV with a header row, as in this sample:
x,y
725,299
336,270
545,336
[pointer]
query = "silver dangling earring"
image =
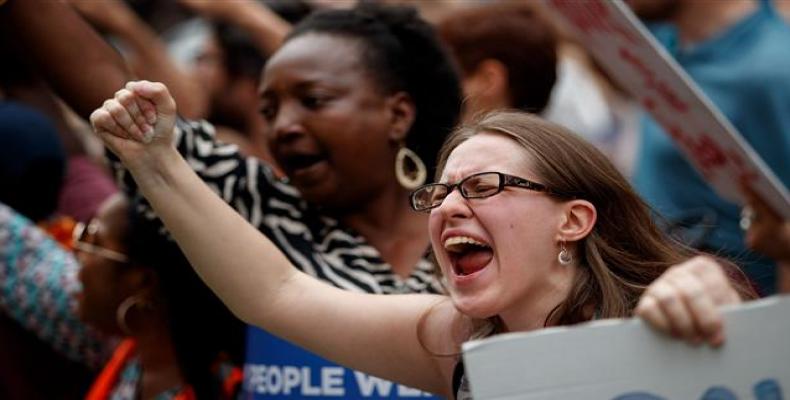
x,y
123,309
409,169
565,256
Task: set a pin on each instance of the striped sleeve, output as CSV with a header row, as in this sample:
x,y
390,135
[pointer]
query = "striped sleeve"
x,y
245,183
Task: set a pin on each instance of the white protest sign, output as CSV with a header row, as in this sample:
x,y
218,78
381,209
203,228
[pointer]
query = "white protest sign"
x,y
630,54
627,360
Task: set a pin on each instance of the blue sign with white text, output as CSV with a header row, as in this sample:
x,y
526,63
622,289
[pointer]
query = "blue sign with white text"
x,y
277,369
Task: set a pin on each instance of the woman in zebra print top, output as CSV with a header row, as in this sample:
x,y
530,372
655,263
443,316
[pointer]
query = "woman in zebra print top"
x,y
343,95
347,91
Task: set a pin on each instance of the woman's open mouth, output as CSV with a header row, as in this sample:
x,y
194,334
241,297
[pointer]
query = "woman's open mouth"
x,y
296,162
302,167
467,255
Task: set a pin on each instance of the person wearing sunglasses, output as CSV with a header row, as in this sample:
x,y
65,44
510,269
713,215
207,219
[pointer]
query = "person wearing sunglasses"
x,y
124,282
530,225
138,286
83,238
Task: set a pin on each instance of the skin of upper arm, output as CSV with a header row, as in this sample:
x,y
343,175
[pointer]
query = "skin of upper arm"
x,y
376,334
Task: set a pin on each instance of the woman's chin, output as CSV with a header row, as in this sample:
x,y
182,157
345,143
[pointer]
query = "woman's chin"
x,y
473,307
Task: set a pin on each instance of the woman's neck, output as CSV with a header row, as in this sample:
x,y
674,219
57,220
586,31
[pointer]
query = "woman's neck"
x,y
533,312
159,366
398,233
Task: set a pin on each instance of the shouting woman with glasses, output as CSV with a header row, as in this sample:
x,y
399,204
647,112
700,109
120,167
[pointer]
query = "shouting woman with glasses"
x,y
542,230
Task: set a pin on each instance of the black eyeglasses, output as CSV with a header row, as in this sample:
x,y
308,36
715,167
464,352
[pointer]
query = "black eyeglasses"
x,y
477,186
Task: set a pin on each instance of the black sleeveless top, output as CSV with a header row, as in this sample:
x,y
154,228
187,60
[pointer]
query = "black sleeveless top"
x,y
460,384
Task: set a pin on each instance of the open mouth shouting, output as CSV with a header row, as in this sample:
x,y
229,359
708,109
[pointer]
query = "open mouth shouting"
x,y
467,255
302,167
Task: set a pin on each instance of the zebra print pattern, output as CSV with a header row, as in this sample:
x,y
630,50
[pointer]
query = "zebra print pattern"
x,y
314,243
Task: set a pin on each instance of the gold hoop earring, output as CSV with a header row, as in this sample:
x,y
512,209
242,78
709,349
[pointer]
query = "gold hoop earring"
x,y
409,176
123,309
565,257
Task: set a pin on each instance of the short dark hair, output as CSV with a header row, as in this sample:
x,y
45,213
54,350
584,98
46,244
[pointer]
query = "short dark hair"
x,y
201,327
402,53
518,36
242,57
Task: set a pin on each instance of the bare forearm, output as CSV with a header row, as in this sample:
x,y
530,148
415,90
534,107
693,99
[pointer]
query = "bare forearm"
x,y
260,286
243,267
265,27
80,66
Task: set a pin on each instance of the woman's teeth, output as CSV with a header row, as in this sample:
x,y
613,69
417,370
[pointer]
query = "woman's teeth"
x,y
458,243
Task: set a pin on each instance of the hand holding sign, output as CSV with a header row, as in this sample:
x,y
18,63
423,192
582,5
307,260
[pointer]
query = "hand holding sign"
x,y
685,301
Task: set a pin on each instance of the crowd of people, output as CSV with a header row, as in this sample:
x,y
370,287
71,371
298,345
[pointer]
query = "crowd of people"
x,y
283,165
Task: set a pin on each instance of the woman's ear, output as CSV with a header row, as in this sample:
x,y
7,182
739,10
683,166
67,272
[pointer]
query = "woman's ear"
x,y
495,75
578,220
487,87
402,114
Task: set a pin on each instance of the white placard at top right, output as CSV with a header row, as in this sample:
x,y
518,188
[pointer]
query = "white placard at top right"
x,y
630,54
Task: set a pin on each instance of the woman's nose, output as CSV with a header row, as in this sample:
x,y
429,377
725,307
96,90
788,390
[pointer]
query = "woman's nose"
x,y
454,206
287,124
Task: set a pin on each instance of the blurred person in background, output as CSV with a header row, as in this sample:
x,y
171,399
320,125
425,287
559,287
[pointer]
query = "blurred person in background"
x,y
238,39
32,161
507,54
130,284
44,352
784,8
736,51
143,50
48,176
83,182
179,341
511,56
219,79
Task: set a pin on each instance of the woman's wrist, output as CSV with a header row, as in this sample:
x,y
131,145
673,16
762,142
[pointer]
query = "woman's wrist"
x,y
155,167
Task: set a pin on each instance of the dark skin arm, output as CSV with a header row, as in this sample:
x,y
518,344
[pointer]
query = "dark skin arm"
x,y
39,96
264,26
147,54
19,81
71,56
769,234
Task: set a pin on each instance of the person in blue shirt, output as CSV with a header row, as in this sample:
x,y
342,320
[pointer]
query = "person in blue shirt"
x,y
737,52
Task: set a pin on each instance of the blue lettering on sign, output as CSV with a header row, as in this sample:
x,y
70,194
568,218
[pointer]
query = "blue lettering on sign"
x,y
276,369
767,389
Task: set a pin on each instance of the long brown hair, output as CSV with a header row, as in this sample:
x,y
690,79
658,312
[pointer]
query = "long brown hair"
x,y
624,252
